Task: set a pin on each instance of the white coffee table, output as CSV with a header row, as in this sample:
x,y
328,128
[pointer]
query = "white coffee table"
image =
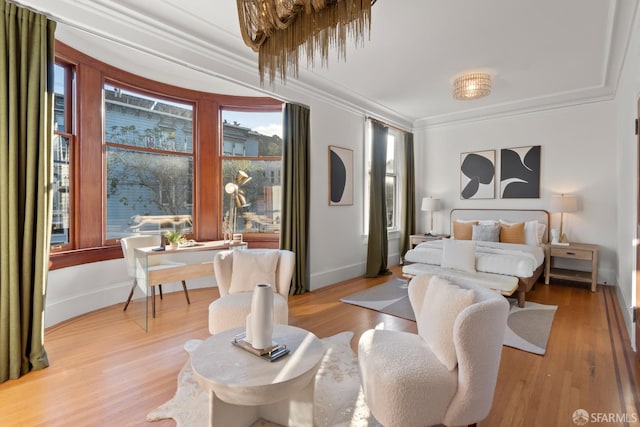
x,y
244,388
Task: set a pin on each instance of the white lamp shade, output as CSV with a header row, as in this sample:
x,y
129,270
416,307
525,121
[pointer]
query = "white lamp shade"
x,y
564,203
430,204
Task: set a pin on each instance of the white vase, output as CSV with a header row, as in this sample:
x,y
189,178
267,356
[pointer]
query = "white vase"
x,y
248,336
262,316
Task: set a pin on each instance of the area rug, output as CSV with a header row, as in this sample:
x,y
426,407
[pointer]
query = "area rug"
x,y
528,328
338,397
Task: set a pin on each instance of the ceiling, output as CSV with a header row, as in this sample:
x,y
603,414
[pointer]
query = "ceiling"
x,y
541,54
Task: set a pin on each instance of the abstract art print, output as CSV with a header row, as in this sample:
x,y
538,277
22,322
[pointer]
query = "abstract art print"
x,y
520,172
340,176
477,173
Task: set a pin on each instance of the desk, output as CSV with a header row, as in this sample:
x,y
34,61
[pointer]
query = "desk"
x,y
160,267
244,387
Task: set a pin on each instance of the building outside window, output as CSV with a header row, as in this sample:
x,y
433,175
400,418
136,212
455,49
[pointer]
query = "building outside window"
x,y
63,137
149,163
251,165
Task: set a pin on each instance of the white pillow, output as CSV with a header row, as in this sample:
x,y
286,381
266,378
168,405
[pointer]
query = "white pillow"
x,y
252,268
443,301
458,254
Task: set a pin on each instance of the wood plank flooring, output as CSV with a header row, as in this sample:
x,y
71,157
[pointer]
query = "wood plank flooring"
x,y
106,371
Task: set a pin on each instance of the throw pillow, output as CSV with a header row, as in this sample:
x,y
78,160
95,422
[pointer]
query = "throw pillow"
x,y
463,230
252,268
458,254
486,233
512,233
443,302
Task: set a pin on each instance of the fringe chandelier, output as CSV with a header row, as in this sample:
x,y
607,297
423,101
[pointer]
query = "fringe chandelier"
x,y
278,29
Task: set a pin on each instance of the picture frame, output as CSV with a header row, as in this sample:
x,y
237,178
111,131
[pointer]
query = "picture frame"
x,y
340,176
520,172
477,174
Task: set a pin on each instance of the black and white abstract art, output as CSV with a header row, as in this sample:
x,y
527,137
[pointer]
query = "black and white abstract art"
x,y
477,174
520,172
340,176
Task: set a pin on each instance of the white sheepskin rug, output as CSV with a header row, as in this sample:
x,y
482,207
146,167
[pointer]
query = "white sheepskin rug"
x,y
338,398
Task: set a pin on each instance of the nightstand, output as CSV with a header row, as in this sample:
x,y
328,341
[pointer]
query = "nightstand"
x,y
416,239
579,251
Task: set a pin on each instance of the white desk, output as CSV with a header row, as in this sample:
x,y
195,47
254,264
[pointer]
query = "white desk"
x,y
159,267
244,387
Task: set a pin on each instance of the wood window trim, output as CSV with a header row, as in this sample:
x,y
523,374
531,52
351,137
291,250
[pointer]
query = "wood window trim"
x,y
88,244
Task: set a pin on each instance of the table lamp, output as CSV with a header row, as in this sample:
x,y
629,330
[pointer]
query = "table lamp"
x,y
563,203
429,204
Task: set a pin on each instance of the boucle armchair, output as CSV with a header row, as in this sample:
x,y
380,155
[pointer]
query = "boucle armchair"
x,y
445,374
237,273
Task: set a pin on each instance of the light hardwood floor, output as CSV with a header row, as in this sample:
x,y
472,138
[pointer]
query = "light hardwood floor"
x,y
106,371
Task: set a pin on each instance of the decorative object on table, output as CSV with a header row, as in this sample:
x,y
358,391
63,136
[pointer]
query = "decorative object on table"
x,y
431,205
174,237
226,230
271,354
563,203
470,86
520,172
238,199
261,321
477,171
277,29
555,236
340,176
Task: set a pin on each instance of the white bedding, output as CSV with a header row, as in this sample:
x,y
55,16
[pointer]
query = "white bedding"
x,y
491,257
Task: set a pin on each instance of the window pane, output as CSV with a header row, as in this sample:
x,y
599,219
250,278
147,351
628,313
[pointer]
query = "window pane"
x,y
139,120
251,134
390,194
253,203
59,108
61,194
391,153
147,192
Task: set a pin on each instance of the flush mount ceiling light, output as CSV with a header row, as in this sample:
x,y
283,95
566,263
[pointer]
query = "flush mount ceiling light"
x,y
471,86
279,29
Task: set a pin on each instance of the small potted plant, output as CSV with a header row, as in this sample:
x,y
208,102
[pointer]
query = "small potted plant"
x,y
174,237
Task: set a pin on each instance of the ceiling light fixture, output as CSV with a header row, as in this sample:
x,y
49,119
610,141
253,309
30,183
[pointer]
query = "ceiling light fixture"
x,y
278,29
471,86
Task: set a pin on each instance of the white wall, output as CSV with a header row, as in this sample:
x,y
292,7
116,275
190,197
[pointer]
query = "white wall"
x,y
578,157
626,166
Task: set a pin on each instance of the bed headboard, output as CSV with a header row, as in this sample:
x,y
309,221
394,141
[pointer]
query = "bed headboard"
x,y
510,215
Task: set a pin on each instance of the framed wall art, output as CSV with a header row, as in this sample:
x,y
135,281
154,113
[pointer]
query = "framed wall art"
x,y
340,176
520,172
477,174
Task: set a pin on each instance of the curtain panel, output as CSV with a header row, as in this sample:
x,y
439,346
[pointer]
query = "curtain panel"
x,y
26,95
296,161
378,245
408,222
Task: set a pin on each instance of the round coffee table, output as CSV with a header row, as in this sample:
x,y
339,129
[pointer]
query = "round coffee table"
x,y
244,387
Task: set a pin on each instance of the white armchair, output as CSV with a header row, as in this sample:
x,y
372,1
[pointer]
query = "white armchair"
x,y
237,273
446,374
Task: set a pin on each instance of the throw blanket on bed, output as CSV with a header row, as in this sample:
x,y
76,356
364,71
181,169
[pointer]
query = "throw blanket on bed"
x,y
491,257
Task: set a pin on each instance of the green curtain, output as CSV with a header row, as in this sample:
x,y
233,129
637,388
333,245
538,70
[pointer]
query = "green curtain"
x,y
378,246
408,223
296,160
26,94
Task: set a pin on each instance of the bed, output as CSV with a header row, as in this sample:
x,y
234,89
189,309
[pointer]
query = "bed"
x,y
512,264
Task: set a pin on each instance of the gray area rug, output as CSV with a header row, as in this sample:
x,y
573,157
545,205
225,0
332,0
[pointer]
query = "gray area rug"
x,y
528,328
338,397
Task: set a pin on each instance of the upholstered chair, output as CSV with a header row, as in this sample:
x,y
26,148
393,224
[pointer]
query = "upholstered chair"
x,y
237,274
445,374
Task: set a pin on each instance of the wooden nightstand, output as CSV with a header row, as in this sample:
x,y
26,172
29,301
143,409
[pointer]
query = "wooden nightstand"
x,y
579,251
416,239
